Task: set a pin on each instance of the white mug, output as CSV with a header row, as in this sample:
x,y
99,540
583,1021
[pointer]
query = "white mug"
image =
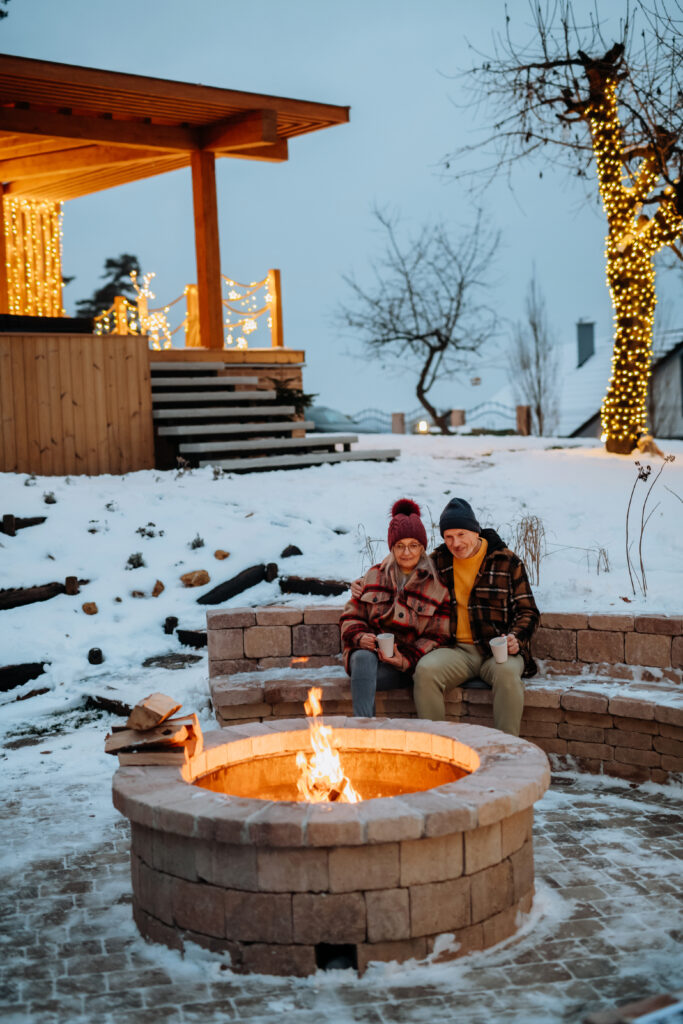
x,y
499,649
385,642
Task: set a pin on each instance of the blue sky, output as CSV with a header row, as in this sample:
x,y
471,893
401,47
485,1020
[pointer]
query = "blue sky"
x,y
393,63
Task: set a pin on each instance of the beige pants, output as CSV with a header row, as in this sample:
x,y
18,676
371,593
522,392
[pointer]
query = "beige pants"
x,y
447,667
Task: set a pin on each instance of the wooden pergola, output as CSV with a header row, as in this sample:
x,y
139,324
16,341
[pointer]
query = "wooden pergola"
x,y
68,131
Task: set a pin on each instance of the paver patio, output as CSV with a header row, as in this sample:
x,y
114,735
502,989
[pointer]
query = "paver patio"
x,y
606,928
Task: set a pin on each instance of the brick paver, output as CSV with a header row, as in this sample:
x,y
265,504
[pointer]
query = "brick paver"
x,y
606,929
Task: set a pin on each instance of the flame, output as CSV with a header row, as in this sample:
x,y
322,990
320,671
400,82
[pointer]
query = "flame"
x,y
321,776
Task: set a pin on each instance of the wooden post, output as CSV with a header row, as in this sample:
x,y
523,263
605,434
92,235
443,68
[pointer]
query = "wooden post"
x,y
398,423
524,420
120,314
457,417
192,339
207,249
4,284
275,291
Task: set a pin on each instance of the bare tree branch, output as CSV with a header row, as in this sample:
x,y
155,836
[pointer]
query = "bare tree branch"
x,y
427,304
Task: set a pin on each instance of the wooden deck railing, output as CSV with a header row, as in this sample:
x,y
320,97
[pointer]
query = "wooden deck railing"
x,y
247,309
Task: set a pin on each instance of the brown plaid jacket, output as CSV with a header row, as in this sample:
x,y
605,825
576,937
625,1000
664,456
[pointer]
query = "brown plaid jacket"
x,y
500,601
418,616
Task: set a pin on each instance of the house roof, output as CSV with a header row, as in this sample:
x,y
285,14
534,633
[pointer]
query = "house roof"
x,y
66,131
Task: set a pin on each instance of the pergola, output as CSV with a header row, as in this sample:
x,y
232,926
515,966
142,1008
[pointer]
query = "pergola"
x,y
67,131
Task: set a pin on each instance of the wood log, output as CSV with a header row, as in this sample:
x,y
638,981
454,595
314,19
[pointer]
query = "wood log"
x,y
171,733
12,676
167,754
10,524
152,711
237,584
159,757
312,585
192,637
15,597
111,706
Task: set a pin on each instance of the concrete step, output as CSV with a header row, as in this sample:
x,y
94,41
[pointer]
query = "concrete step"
x,y
164,366
192,382
268,443
222,412
215,429
300,460
160,397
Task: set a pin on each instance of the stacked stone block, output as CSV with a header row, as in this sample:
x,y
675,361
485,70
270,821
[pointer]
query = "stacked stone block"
x,y
591,721
269,883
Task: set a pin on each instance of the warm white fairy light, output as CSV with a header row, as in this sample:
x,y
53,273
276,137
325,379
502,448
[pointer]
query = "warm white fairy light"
x,y
632,242
33,241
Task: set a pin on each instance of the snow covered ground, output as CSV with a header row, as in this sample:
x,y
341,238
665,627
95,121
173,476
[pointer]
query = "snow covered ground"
x,y
55,778
578,492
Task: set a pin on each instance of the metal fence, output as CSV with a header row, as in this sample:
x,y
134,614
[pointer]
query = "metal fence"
x,y
494,415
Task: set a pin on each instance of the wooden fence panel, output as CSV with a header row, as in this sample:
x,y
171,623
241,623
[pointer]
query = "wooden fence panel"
x,y
75,404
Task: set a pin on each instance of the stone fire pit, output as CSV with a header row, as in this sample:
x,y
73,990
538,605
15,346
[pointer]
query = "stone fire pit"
x,y
222,855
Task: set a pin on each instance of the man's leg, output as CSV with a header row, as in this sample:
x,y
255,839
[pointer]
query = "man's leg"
x,y
363,665
440,671
508,692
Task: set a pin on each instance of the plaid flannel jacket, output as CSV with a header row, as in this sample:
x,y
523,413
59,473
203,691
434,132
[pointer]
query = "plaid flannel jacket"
x,y
418,616
500,601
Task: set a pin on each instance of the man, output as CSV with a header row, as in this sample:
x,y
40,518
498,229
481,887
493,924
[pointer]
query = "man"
x,y
490,596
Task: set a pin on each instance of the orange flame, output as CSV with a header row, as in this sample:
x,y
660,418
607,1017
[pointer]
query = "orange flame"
x,y
321,776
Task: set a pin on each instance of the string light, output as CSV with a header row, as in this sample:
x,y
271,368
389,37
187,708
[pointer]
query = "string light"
x,y
632,242
244,308
33,242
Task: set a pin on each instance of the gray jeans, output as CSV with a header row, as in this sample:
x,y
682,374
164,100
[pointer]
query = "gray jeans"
x,y
369,674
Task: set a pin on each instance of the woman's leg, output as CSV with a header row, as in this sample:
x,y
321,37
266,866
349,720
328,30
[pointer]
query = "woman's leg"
x,y
390,678
363,665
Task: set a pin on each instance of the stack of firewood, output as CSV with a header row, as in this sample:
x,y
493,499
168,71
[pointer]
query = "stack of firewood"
x,y
152,736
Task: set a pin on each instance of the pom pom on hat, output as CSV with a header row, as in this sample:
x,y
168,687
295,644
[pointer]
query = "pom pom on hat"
x,y
406,523
405,507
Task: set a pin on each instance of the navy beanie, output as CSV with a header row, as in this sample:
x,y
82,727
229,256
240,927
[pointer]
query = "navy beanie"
x,y
458,515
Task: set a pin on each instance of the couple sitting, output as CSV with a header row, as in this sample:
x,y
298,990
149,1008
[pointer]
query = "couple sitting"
x,y
443,611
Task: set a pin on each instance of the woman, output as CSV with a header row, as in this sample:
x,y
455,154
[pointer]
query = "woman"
x,y
402,596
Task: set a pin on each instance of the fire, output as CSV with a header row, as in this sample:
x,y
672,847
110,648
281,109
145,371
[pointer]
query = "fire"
x,y
321,776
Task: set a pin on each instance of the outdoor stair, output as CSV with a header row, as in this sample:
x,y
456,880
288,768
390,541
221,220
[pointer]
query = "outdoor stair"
x,y
199,418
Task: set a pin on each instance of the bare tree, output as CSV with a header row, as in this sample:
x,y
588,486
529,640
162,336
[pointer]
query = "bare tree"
x,y
613,116
533,363
427,303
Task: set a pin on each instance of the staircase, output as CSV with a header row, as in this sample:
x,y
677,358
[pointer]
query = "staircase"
x,y
199,417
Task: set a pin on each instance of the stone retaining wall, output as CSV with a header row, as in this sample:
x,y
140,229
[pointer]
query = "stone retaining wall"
x,y
616,646
604,721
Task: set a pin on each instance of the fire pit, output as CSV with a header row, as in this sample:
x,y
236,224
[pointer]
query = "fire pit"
x,y
226,853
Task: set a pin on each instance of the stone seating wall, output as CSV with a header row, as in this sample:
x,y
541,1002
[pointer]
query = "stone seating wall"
x,y
608,697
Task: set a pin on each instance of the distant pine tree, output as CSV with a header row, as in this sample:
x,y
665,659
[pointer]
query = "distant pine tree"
x,y
3,14
117,282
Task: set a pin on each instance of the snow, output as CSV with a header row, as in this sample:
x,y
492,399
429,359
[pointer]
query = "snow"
x,y
338,516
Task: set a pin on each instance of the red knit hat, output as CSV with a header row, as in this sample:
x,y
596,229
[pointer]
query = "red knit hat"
x,y
406,523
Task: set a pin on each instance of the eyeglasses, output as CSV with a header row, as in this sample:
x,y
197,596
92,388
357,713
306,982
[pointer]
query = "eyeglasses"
x,y
407,549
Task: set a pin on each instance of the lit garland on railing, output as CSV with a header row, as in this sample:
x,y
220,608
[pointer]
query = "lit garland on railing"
x,y
632,241
243,311
33,240
126,317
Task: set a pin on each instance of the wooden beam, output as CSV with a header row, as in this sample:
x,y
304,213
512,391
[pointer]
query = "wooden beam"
x,y
59,162
272,152
12,146
71,186
23,73
97,129
241,132
208,249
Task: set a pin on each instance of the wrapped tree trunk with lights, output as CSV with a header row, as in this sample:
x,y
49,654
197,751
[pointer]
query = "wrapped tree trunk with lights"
x,y
617,112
